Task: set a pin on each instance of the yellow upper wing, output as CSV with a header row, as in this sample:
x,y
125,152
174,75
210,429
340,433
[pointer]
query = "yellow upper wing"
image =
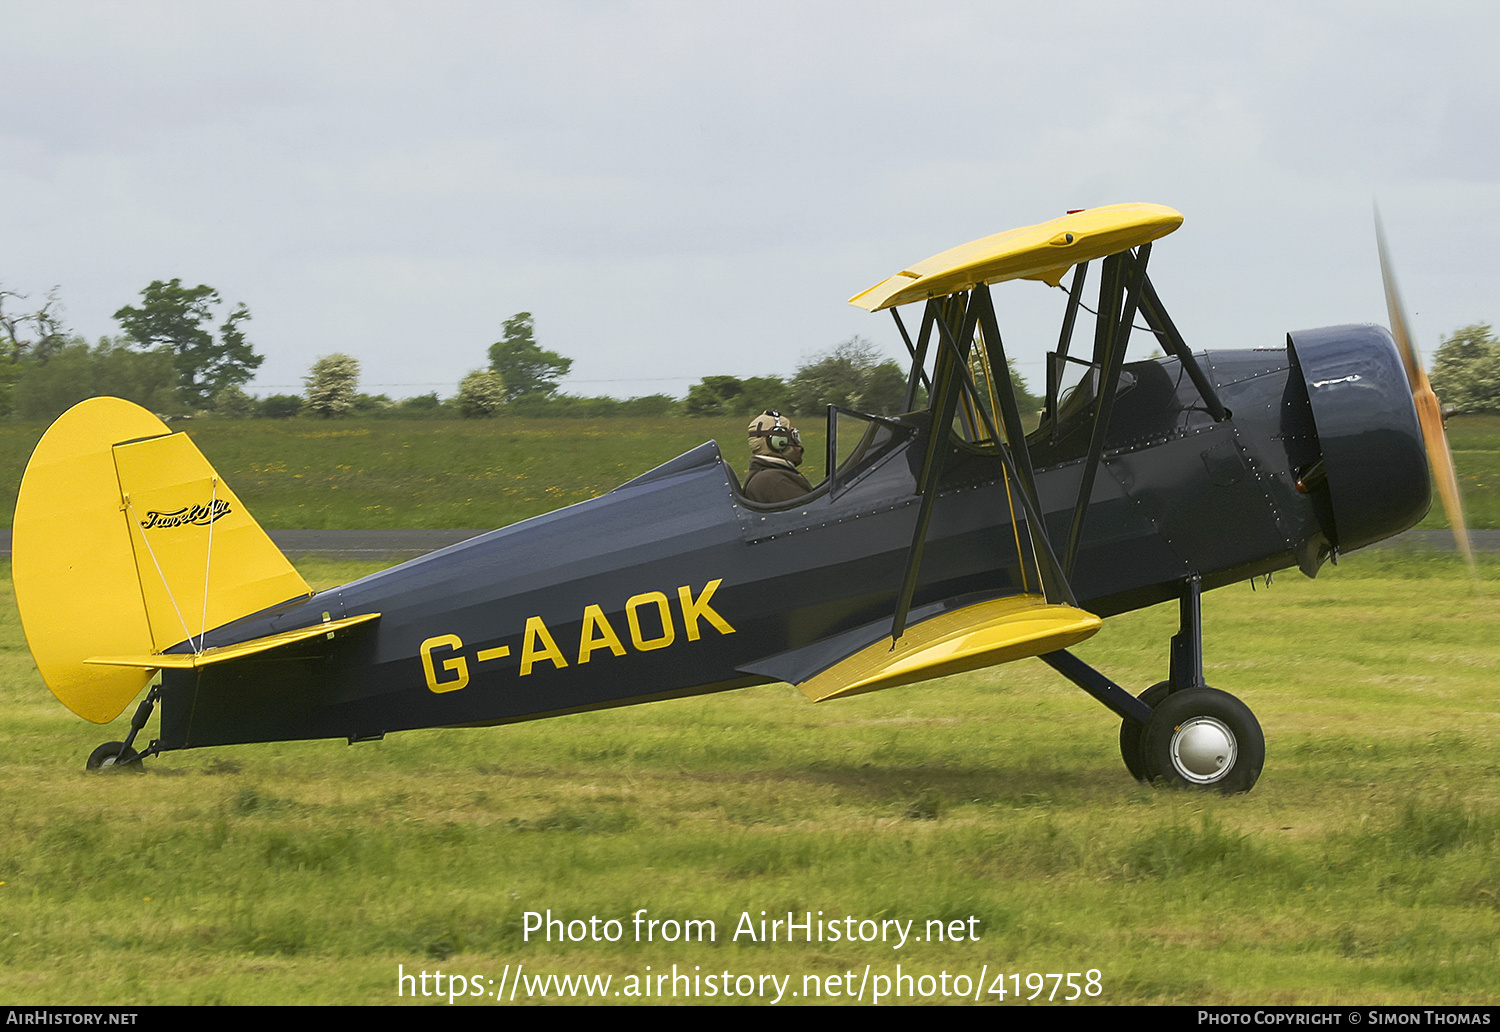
x,y
1043,252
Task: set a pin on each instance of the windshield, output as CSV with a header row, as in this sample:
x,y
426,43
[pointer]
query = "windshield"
x,y
857,441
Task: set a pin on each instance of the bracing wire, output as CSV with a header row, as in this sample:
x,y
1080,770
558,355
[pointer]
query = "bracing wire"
x,y
164,583
213,497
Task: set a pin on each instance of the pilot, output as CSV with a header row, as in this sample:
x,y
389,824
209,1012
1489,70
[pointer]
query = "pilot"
x,y
775,454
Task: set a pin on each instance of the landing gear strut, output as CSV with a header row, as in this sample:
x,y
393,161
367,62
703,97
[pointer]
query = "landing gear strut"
x,y
121,755
1180,731
1197,737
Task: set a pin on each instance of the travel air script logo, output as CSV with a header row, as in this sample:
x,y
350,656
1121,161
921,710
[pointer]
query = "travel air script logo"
x,y
192,515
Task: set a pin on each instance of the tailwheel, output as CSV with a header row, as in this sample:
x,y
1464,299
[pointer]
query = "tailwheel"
x,y
1202,738
115,756
1132,732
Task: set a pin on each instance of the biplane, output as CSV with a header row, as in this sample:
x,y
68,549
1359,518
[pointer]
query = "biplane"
x,y
944,539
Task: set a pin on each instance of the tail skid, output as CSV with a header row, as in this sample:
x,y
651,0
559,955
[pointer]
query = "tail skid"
x,y
126,543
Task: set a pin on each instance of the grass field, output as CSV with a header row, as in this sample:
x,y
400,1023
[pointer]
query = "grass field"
x,y
308,474
1364,868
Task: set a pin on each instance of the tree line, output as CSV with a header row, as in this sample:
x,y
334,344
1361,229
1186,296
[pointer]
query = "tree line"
x,y
1466,371
169,356
183,350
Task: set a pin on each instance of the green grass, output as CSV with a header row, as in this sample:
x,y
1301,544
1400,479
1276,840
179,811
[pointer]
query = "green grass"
x,y
1475,442
309,474
1364,868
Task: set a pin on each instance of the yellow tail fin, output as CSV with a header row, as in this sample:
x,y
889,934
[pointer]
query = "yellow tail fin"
x,y
126,541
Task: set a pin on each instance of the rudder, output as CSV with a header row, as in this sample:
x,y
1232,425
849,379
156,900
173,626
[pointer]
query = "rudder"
x,y
126,541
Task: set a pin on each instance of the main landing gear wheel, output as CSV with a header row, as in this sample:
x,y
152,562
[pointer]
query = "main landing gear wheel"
x,y
1133,731
115,755
1205,739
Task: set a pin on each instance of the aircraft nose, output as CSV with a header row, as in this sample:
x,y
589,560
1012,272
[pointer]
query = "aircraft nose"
x,y
1366,423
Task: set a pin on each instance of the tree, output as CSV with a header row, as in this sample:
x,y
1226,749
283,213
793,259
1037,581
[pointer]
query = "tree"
x,y
852,376
234,403
729,395
30,334
330,385
173,316
649,405
26,337
1466,371
761,393
421,405
524,367
712,395
75,372
280,406
1026,402
481,395
884,391
371,404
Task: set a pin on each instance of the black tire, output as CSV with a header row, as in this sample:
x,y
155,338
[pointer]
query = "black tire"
x,y
114,756
1133,731
1205,739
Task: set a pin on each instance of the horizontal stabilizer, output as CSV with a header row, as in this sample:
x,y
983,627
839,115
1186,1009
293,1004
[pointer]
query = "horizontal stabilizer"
x,y
966,637
223,653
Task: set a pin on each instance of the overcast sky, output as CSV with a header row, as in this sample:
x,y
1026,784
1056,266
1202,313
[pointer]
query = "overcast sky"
x,y
684,189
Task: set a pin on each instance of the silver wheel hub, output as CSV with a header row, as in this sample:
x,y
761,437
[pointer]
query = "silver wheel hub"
x,y
1203,750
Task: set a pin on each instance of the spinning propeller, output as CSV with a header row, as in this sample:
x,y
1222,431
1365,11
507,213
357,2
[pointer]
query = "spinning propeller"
x,y
1429,414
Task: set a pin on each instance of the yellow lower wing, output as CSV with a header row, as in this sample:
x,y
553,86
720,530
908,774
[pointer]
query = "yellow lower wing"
x,y
997,631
